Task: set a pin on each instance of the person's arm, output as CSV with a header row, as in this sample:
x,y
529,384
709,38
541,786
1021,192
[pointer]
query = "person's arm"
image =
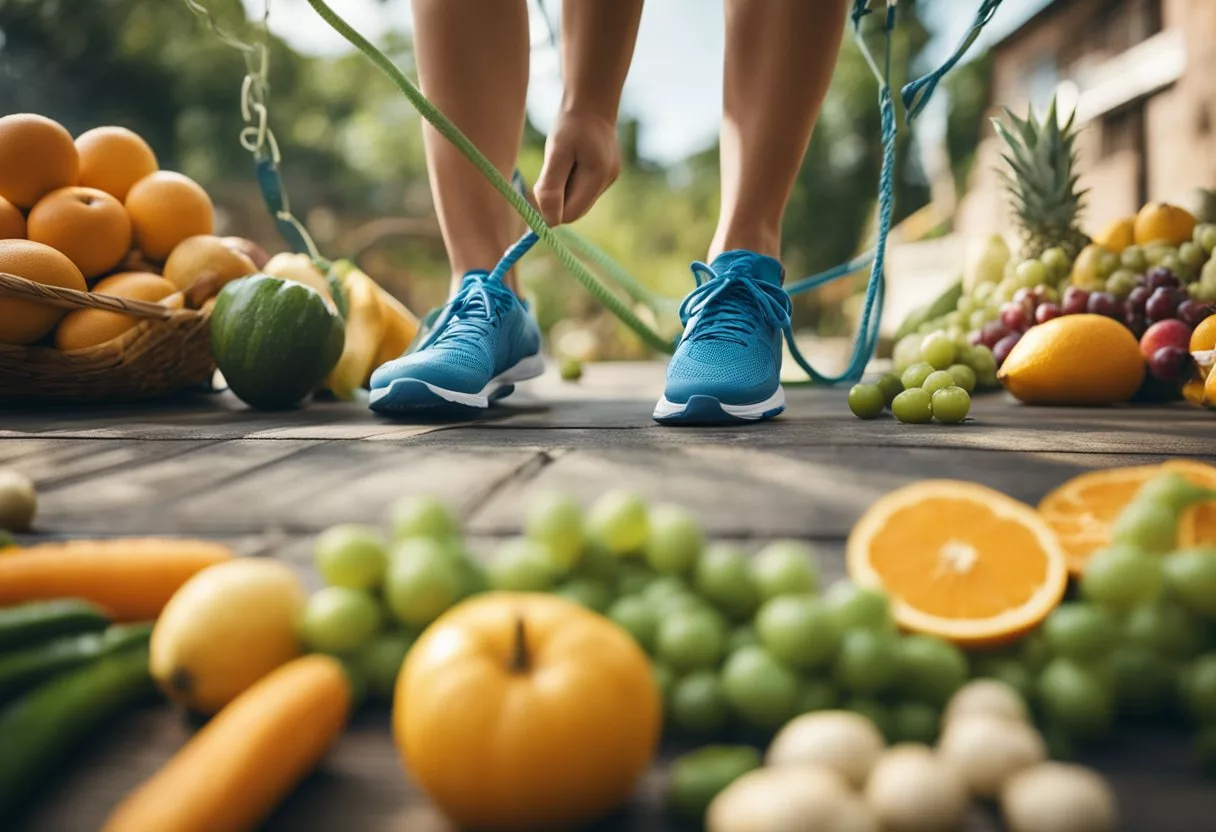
x,y
582,157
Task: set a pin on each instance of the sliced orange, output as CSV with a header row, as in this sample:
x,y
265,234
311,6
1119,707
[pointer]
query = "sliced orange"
x,y
959,561
1082,510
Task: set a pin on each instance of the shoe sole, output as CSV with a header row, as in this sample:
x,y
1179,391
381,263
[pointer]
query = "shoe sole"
x,y
405,395
707,410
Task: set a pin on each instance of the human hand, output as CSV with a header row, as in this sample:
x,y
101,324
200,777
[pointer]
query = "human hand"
x,y
582,158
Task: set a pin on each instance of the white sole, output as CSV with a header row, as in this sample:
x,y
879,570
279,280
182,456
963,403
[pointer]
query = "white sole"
x,y
666,409
528,368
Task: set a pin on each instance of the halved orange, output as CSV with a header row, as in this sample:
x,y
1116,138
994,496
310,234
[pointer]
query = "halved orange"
x,y
1082,510
959,561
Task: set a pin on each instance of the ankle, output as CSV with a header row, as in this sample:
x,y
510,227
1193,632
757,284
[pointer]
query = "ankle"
x,y
761,240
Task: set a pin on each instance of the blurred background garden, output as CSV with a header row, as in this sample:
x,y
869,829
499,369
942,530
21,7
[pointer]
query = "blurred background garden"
x,y
352,148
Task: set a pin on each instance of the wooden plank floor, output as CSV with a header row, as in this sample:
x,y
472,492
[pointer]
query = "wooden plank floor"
x,y
268,482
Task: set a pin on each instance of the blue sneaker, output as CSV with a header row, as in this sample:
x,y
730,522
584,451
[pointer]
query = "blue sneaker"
x,y
483,342
727,367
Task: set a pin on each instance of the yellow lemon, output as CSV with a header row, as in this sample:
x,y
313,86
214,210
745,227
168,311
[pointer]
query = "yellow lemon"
x,y
1160,222
1118,235
1074,360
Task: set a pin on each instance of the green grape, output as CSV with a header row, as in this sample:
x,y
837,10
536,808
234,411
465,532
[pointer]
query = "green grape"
x,y
352,556
633,578
785,567
600,565
1199,688
798,630
338,619
1080,631
867,662
951,319
521,565
966,305
938,349
761,691
1165,629
1191,577
857,608
594,595
379,662
930,670
874,711
740,637
556,521
983,291
1170,261
866,401
423,580
1008,670
698,705
1191,255
914,406
637,618
1075,699
473,577
1034,650
1119,578
816,695
915,376
422,516
690,639
951,405
1057,262
981,361
1108,261
1147,525
977,319
1031,273
1132,258
915,722
1120,283
1175,491
963,376
665,588
1144,681
664,680
698,777
937,380
891,386
906,352
723,578
674,540
618,522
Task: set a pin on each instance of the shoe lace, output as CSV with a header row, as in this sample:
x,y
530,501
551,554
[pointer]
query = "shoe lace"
x,y
728,306
473,311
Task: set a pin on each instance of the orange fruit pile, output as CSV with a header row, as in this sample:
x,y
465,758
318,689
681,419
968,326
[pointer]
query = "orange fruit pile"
x,y
75,212
959,561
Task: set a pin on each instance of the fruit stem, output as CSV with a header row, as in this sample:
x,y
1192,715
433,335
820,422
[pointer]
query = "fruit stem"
x,y
520,657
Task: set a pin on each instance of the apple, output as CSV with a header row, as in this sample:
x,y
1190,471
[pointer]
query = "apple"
x,y
1168,333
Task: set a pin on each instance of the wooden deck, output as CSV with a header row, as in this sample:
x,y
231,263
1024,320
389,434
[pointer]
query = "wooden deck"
x,y
268,482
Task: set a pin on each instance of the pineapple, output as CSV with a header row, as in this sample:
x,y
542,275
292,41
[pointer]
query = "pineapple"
x,y
1042,182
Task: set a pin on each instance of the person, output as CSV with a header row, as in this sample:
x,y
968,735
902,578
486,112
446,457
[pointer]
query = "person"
x,y
472,58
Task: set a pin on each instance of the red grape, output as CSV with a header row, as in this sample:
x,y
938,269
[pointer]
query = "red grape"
x,y
1167,333
1024,298
1076,300
1046,312
1160,277
1193,313
1172,364
1013,316
1138,297
1135,322
1162,304
1001,351
993,332
1104,303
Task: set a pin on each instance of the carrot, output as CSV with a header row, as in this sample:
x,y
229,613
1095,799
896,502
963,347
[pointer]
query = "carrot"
x,y
131,578
231,774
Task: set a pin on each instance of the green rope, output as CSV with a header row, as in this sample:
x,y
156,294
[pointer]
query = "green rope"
x,y
501,184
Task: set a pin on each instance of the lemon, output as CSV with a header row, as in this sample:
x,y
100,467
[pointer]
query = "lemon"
x,y
1074,360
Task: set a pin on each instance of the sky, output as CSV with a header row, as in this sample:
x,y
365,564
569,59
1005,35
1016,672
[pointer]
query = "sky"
x,y
675,85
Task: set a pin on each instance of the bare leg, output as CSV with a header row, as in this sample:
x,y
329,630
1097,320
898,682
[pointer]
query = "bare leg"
x,y
779,60
473,64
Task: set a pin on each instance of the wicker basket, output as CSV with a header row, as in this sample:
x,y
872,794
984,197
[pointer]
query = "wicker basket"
x,y
168,351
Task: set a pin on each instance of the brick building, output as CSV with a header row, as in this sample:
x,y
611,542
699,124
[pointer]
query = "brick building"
x,y
1142,76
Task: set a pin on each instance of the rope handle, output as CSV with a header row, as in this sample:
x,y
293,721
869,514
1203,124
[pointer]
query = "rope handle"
x,y
12,286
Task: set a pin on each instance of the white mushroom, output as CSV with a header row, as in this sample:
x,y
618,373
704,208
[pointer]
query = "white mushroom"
x,y
789,799
844,741
911,790
1058,797
986,696
987,750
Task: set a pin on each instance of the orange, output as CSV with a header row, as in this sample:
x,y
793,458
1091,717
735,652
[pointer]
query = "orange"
x,y
1082,510
23,322
1074,360
12,221
84,328
1204,336
112,159
86,224
1160,222
166,208
37,156
1118,235
959,561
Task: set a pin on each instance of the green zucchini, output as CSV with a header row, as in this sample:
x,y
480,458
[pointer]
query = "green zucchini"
x,y
30,666
35,621
51,721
